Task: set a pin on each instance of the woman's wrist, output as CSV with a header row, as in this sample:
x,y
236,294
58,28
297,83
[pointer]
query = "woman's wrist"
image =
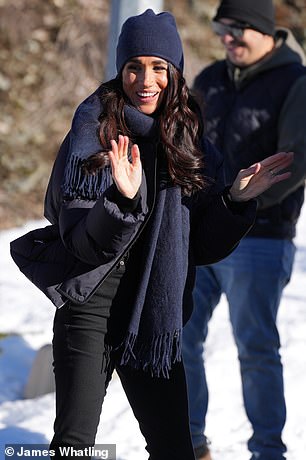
x,y
234,205
234,197
125,203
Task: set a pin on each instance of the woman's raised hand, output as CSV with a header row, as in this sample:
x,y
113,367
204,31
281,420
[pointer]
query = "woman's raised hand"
x,y
254,180
126,174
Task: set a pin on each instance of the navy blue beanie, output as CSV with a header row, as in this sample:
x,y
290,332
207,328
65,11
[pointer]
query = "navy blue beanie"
x,y
150,34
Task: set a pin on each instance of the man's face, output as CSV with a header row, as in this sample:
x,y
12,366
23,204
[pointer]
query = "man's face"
x,y
244,48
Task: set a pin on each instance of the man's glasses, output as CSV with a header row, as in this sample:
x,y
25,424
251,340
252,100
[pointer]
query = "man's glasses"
x,y
236,29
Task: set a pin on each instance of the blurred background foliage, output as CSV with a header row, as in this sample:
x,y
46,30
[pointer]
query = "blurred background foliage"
x,y
52,55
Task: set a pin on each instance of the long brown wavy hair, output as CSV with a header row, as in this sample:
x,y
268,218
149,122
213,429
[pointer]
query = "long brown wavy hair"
x,y
180,129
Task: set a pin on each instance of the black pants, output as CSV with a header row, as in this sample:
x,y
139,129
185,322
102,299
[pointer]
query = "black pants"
x,y
160,405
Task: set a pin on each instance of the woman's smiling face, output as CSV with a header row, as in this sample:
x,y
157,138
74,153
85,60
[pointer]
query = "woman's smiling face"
x,y
144,80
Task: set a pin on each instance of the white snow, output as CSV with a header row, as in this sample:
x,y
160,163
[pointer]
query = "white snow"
x,y
26,315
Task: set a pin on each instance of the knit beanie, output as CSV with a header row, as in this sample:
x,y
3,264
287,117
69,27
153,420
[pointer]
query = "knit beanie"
x,y
150,34
257,13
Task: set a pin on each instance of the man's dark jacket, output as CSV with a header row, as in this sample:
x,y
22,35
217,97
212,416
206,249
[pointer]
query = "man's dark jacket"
x,y
254,112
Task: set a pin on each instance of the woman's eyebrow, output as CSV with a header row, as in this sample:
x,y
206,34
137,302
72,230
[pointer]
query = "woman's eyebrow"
x,y
157,61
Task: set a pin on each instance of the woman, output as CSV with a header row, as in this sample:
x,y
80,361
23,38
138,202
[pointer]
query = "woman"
x,y
137,197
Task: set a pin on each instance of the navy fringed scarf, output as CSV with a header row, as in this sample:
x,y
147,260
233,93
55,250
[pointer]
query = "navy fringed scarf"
x,y
153,335
154,332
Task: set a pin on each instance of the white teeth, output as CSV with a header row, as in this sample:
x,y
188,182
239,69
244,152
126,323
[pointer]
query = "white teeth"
x,y
146,94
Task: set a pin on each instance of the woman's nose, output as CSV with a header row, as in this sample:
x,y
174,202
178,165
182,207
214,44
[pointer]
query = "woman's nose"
x,y
147,76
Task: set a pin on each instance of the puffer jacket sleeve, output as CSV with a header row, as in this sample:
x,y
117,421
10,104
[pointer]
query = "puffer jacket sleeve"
x,y
97,232
218,226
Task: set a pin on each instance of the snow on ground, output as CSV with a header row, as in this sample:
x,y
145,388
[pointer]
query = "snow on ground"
x,y
26,315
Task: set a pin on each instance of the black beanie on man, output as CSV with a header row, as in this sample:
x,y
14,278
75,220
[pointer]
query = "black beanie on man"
x,y
150,34
259,14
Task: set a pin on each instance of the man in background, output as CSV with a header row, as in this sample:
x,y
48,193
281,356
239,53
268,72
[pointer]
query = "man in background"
x,y
254,104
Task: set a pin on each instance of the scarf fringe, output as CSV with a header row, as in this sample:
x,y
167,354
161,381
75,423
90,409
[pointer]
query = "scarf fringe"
x,y
78,184
156,356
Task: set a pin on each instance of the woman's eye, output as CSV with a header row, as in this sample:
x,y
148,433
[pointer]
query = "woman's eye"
x,y
133,67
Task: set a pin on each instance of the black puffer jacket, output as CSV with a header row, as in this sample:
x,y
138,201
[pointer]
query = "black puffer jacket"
x,y
90,236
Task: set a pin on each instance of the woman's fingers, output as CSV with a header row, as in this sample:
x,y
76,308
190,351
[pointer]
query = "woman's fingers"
x,y
280,177
279,160
114,148
271,166
274,168
124,146
120,148
135,154
253,181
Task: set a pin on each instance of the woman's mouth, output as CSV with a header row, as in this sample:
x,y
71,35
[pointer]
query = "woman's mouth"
x,y
146,96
